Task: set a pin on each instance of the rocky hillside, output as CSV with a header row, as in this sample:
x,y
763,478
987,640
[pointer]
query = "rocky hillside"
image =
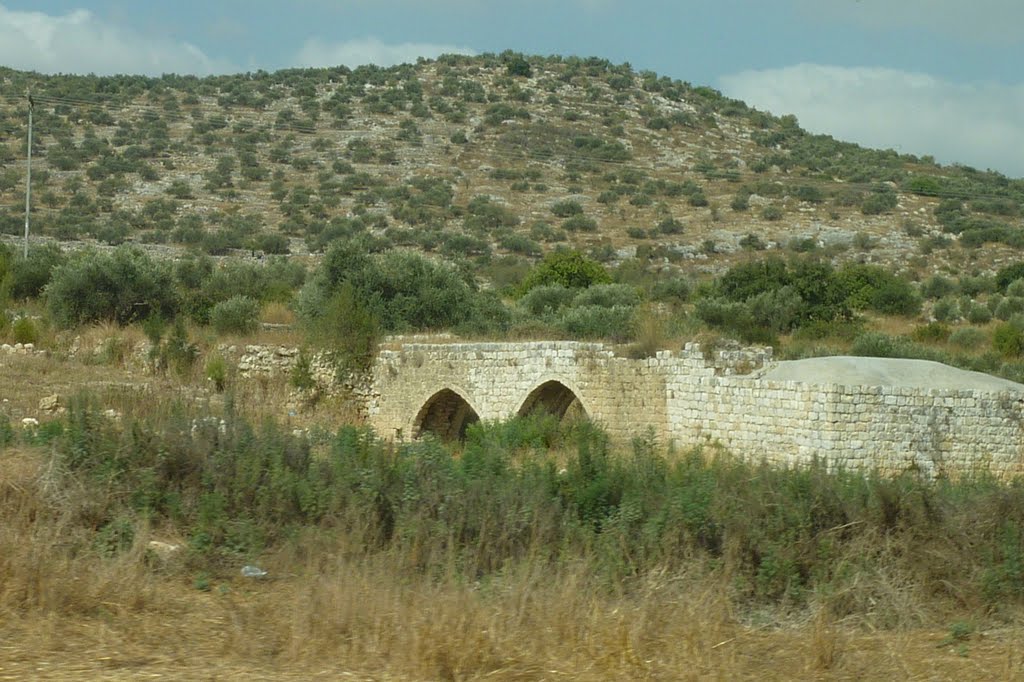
x,y
495,159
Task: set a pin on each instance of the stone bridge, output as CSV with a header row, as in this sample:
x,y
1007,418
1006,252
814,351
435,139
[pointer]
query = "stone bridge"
x,y
689,397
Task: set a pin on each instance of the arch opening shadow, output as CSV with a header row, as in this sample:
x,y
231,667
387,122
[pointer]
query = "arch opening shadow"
x,y
446,415
554,398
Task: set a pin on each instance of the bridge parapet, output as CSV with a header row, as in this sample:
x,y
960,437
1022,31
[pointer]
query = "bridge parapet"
x,y
697,395
498,380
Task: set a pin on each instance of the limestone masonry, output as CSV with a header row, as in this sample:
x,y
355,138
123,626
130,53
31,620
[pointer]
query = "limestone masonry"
x,y
727,396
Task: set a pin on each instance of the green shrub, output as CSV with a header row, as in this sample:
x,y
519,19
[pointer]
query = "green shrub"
x,y
878,345
968,337
972,286
810,193
1009,307
272,243
979,314
237,315
1008,340
933,332
822,293
670,226
776,311
400,290
607,296
772,212
217,372
598,322
937,286
1006,275
568,268
123,286
946,310
519,243
546,299
177,352
30,276
751,242
579,223
301,376
347,326
872,287
567,208
879,201
25,330
803,244
1015,289
672,289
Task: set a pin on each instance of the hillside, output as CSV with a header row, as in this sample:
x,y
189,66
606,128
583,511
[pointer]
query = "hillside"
x,y
480,158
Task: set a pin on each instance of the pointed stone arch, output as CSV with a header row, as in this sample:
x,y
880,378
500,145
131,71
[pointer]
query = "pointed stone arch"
x,y
446,414
555,398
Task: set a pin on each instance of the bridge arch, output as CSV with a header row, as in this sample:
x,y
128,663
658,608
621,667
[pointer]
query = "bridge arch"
x,y
446,414
556,398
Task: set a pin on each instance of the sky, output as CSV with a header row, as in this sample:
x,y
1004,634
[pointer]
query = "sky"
x,y
938,77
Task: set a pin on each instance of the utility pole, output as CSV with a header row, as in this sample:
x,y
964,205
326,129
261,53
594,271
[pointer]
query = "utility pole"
x,y
28,179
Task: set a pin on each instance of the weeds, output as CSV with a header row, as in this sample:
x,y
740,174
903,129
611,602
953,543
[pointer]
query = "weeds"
x,y
632,562
529,490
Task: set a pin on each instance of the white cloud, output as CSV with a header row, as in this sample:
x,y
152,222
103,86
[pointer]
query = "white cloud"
x,y
978,20
316,52
79,42
980,124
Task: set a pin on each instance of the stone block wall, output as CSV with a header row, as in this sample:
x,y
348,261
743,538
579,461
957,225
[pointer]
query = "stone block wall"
x,y
690,397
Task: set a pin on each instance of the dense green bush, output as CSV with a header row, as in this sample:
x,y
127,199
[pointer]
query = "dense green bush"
x,y
401,290
567,208
879,345
614,323
1008,340
946,310
872,287
547,299
568,268
202,282
937,286
979,314
933,332
968,337
608,296
879,201
236,315
272,243
1008,307
122,286
579,223
25,330
30,276
1006,275
822,294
